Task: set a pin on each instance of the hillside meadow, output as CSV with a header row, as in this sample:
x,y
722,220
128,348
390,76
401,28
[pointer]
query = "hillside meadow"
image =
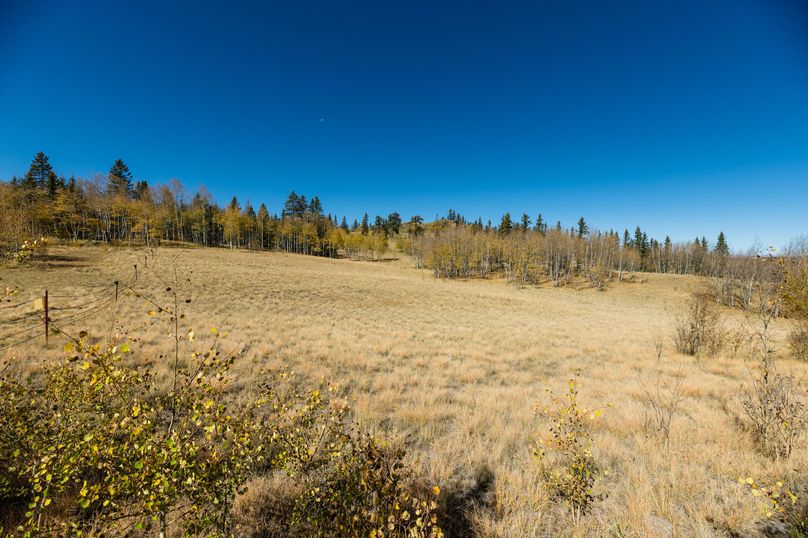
x,y
455,371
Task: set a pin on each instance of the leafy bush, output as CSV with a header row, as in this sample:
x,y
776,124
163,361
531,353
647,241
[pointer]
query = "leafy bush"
x,y
781,502
565,458
93,444
699,330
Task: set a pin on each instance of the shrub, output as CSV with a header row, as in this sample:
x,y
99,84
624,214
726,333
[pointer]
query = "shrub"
x,y
781,503
565,458
798,341
776,411
699,330
91,445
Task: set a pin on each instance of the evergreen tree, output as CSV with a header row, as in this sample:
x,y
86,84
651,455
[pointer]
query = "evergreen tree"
x,y
393,222
525,224
355,225
291,205
315,208
344,224
583,229
379,225
40,174
505,226
263,220
55,184
626,239
541,226
141,191
721,247
364,227
705,246
120,178
414,226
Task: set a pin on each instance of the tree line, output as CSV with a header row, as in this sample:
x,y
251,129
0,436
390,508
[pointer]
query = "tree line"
x,y
116,209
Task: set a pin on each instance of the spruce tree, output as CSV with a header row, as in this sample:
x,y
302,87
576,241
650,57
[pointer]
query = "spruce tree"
x,y
55,184
120,178
291,204
721,247
525,224
141,190
40,174
505,226
583,229
393,222
344,224
541,226
315,208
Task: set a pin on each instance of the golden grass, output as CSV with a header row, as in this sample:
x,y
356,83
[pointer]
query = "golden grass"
x,y
456,369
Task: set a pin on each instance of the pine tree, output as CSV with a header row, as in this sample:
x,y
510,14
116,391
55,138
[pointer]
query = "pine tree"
x,y
626,239
379,224
39,174
263,219
393,223
364,227
291,205
541,226
721,247
344,224
583,229
315,208
141,191
120,178
525,224
55,184
505,226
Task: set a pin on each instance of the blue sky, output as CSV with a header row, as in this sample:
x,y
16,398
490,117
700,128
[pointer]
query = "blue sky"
x,y
685,117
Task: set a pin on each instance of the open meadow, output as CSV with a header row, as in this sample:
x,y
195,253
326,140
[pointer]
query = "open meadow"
x,y
455,371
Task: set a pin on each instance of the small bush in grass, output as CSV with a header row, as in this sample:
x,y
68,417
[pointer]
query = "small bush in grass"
x,y
699,329
781,502
798,341
777,412
565,458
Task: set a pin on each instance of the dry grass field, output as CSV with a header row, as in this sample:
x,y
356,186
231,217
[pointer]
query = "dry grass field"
x,y
456,369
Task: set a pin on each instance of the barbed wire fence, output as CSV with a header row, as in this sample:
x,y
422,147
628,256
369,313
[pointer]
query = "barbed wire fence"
x,y
23,322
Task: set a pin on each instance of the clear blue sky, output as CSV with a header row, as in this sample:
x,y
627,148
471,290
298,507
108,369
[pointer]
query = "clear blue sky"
x,y
686,117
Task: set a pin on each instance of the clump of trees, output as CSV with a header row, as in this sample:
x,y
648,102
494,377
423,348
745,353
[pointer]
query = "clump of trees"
x,y
116,208
535,254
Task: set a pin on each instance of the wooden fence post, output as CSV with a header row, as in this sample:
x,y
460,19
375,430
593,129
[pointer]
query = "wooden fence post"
x,y
45,303
116,291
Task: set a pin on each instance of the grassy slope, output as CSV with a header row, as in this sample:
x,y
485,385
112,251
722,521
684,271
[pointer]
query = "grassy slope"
x,y
459,368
